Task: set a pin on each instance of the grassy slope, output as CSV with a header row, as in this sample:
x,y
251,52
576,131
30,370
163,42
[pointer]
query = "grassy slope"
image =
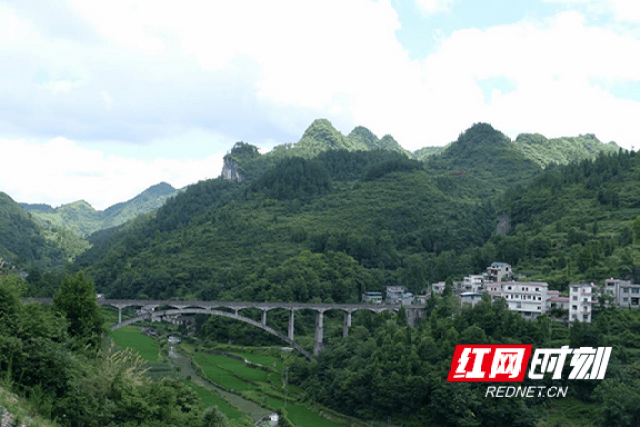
x,y
130,336
208,398
221,369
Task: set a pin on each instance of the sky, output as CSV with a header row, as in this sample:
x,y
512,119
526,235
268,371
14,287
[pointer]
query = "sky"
x,y
100,100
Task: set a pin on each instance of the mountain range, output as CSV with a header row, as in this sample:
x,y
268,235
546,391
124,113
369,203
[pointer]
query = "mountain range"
x,y
81,218
479,166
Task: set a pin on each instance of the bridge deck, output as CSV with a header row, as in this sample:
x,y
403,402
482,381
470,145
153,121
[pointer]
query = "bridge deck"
x,y
122,303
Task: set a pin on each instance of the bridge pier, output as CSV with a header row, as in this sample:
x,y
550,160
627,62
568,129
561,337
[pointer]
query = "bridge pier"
x,y
317,341
346,324
119,314
292,315
264,317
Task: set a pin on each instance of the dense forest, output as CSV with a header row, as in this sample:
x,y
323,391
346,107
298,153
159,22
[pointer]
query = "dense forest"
x,y
53,356
399,221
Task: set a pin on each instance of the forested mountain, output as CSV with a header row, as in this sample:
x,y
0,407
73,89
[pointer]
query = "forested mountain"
x,y
19,236
23,242
328,219
217,235
562,151
579,221
81,218
487,155
395,220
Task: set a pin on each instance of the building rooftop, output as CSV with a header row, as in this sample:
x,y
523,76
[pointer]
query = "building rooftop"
x,y
543,284
499,264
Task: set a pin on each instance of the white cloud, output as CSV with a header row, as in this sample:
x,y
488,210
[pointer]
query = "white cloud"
x,y
552,64
262,71
60,171
627,10
108,100
430,7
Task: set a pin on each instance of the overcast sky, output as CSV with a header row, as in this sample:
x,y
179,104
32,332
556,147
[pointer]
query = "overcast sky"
x,y
100,100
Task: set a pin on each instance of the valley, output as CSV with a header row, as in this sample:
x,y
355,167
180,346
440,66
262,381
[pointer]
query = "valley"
x,y
320,223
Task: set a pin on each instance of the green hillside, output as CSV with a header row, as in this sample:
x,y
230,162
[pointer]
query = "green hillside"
x,y
577,222
562,151
325,221
25,243
365,136
485,154
81,218
318,139
425,152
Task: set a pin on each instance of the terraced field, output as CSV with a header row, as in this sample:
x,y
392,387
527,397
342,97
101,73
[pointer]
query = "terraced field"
x,y
131,336
210,399
221,369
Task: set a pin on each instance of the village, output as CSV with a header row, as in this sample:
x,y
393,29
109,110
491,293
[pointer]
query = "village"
x,y
530,299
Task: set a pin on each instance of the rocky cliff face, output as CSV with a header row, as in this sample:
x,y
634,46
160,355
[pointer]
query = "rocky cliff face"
x,y
230,170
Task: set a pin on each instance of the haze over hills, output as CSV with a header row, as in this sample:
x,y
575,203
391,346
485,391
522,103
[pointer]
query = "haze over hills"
x,y
81,218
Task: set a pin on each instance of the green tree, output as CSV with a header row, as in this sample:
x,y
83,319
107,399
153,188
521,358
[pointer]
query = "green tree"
x,y
635,226
212,417
619,403
76,301
401,320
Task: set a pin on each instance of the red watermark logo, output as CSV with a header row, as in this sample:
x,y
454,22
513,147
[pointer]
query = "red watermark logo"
x,y
509,363
489,363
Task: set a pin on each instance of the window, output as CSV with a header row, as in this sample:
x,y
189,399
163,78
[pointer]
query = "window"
x,y
575,307
585,299
527,314
635,290
625,299
634,301
575,316
585,317
537,289
575,298
625,290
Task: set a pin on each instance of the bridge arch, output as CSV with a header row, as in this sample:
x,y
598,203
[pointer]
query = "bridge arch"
x,y
173,312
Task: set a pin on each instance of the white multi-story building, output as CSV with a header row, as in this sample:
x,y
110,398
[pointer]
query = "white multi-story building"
x,y
580,302
558,302
497,270
624,293
470,298
372,297
528,298
472,283
394,293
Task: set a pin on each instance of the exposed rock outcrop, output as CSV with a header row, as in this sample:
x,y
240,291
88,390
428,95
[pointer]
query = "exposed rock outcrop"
x,y
230,170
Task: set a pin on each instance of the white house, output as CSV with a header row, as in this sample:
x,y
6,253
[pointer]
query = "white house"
x,y
580,302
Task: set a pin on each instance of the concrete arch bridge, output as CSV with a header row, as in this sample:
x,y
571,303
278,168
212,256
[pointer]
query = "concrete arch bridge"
x,y
149,310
